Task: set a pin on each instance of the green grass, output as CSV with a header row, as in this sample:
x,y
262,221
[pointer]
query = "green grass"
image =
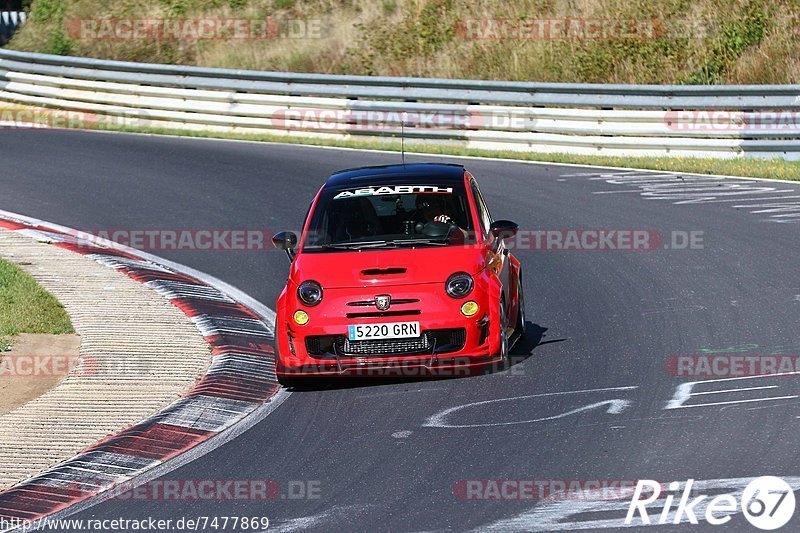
x,y
684,41
25,307
756,168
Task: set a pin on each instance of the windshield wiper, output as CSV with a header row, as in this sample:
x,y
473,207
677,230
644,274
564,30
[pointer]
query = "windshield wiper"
x,y
353,245
376,244
401,242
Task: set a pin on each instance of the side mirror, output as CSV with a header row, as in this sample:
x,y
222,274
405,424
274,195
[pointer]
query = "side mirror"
x,y
503,229
285,240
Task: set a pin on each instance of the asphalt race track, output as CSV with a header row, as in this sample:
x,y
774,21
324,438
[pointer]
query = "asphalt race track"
x,y
592,397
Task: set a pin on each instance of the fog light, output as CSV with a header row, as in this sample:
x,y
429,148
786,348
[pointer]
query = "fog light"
x,y
301,317
469,308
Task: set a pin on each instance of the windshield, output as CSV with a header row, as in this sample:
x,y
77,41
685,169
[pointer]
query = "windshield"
x,y
390,216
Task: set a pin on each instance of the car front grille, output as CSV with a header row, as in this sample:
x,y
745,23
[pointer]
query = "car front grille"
x,y
419,344
431,341
371,303
381,314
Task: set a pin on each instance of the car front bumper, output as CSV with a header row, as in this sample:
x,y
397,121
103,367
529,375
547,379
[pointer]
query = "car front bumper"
x,y
318,348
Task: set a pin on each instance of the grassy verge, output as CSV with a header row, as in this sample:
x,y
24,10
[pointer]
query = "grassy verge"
x,y
604,41
756,168
25,307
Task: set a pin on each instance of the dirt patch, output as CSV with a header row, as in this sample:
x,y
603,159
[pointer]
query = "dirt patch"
x,y
35,364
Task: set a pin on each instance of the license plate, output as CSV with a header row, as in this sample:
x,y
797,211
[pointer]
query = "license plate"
x,y
386,330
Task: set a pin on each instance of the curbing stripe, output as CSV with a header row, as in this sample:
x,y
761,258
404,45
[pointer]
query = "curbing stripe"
x,y
224,325
240,379
151,441
194,307
123,463
122,263
180,289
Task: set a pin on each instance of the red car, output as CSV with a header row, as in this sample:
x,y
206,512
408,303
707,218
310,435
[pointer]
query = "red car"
x,y
399,271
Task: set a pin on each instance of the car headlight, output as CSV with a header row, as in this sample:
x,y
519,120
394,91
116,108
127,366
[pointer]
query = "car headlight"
x,y
459,285
310,292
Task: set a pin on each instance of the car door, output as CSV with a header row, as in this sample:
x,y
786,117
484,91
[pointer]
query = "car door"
x,y
500,260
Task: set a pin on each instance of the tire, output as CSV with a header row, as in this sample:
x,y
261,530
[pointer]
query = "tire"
x,y
505,347
285,381
520,327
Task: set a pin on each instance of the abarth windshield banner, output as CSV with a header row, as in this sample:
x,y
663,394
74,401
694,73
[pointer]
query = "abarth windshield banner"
x,y
396,189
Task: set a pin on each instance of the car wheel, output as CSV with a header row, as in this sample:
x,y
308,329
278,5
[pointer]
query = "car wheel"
x,y
505,359
284,380
521,305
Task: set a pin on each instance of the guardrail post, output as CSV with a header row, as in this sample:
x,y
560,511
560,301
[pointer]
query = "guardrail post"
x,y
10,21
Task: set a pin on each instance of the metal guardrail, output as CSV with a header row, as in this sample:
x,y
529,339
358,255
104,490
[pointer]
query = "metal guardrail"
x,y
703,121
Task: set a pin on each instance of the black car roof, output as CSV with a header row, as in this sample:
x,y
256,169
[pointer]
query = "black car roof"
x,y
411,173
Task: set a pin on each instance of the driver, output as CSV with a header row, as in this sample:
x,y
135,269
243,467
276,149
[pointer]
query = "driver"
x,y
432,208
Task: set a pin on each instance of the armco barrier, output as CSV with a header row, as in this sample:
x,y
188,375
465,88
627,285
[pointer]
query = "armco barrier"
x,y
699,121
